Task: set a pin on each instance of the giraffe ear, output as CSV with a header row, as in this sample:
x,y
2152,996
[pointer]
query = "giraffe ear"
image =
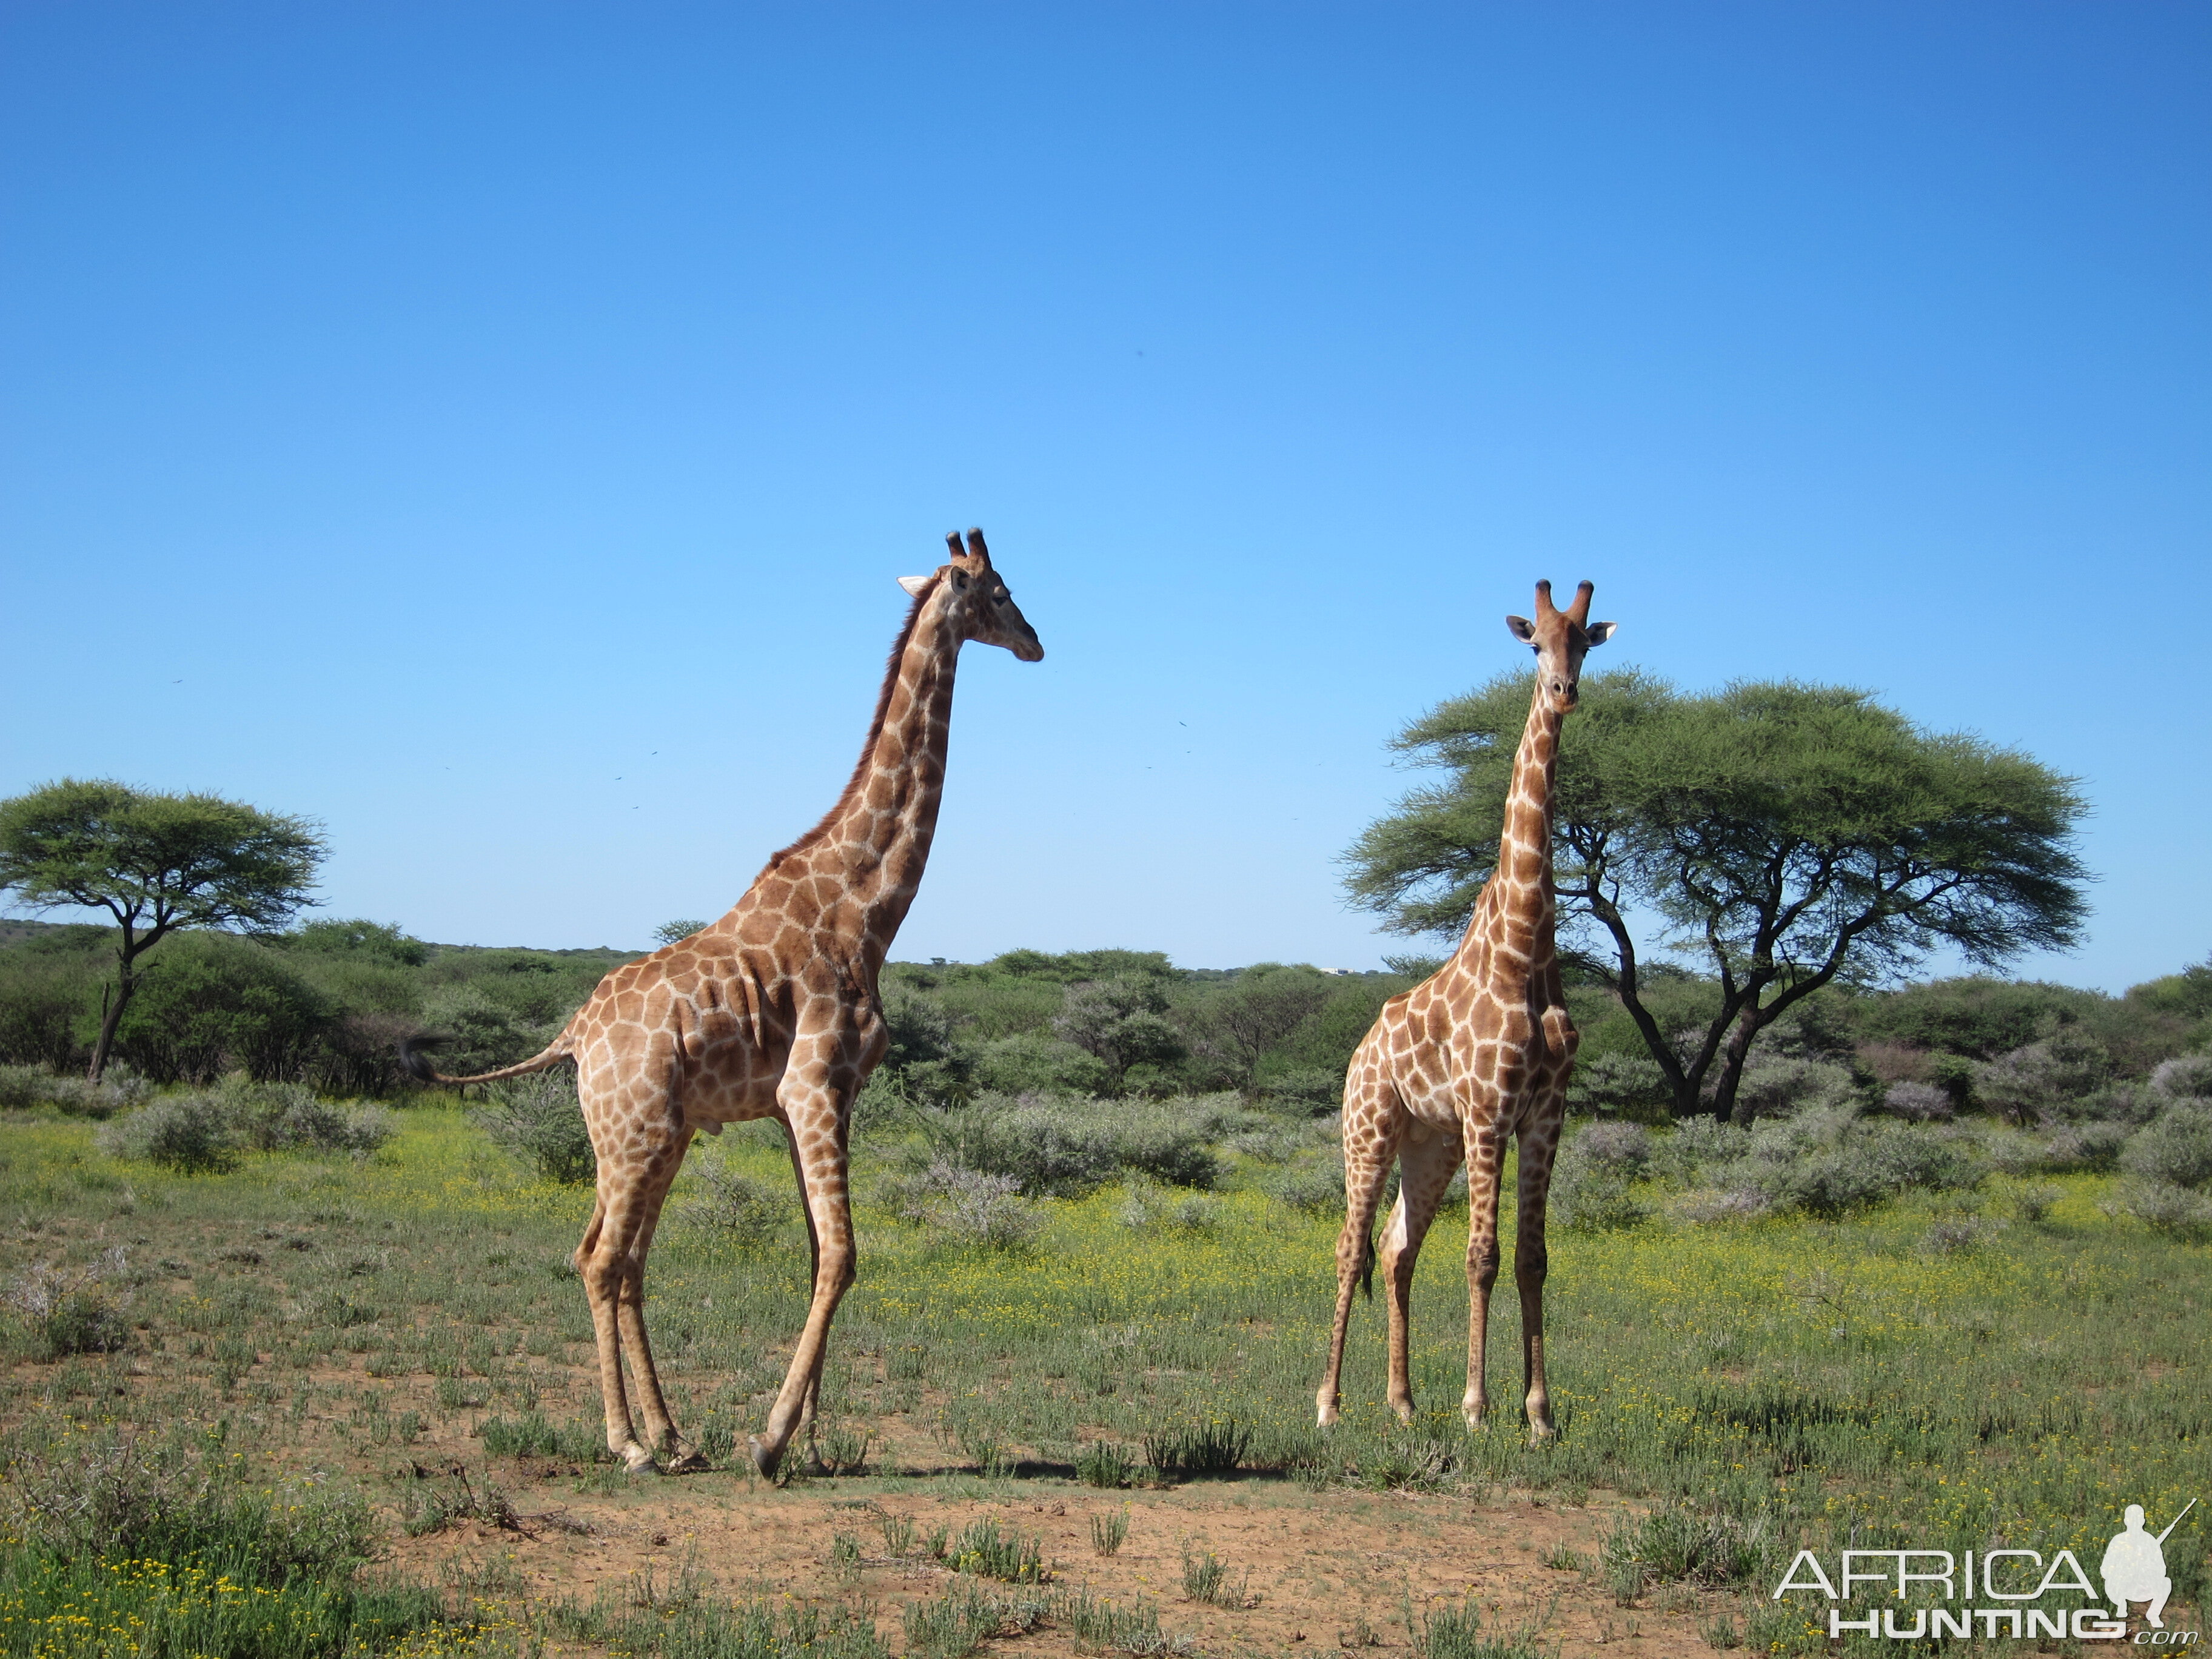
x,y
1522,629
1600,632
913,585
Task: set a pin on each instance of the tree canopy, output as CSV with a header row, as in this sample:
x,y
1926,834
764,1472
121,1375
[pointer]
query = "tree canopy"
x,y
1781,837
157,863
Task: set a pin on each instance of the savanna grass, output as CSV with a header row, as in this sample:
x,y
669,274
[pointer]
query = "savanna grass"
x,y
1798,1380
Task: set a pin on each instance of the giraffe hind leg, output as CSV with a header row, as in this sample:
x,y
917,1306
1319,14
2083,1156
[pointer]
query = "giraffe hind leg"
x,y
611,1262
1372,1128
1426,1160
603,1262
637,1347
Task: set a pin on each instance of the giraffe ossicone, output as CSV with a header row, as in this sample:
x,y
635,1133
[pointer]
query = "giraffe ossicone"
x,y
771,1012
1478,1053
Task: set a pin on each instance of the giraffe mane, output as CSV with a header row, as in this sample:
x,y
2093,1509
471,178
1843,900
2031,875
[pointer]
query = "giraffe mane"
x,y
863,767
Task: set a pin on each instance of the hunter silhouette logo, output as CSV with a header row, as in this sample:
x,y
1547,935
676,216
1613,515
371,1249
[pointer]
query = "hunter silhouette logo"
x,y
2006,1592
2134,1568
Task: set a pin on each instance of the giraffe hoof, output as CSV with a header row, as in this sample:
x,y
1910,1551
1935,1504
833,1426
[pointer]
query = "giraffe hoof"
x,y
638,1460
690,1462
763,1460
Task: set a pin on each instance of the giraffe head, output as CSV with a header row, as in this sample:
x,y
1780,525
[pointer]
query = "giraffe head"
x,y
1560,639
977,599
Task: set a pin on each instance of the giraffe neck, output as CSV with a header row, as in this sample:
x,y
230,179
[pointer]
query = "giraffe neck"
x,y
1520,919
873,845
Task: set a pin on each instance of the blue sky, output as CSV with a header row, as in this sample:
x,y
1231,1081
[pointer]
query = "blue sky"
x,y
495,431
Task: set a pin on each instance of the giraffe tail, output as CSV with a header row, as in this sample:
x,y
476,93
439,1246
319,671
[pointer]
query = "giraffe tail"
x,y
1367,1262
413,1057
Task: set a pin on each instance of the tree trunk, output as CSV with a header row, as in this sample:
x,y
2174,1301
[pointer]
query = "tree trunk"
x,y
127,953
1733,1057
111,1016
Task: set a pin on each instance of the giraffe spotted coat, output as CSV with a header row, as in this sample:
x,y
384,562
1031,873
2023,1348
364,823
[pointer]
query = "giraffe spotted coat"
x,y
1478,1053
771,1012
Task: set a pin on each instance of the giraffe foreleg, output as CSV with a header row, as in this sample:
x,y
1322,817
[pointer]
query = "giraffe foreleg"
x,y
1539,1142
1485,1156
1426,1160
812,1110
811,1408
1371,1127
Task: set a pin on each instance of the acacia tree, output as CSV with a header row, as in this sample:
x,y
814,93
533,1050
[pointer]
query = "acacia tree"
x,y
1782,836
155,863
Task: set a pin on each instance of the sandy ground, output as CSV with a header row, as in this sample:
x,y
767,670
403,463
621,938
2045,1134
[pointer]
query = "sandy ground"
x,y
1327,1570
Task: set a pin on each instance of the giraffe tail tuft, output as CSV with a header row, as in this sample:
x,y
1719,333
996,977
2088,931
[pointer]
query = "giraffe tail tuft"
x,y
415,1061
1367,1262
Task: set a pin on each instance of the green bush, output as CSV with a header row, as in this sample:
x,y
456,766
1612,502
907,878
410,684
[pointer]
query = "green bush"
x,y
205,1130
122,1492
1977,1016
2176,1149
282,1117
208,1003
2166,1208
1310,1091
1316,1189
2188,1077
33,1085
1867,1163
1030,1062
1617,1084
1065,1146
478,1032
965,1207
2044,1081
737,1207
1589,1197
1709,1549
82,1312
539,1121
44,1001
1775,1085
192,1133
1183,1451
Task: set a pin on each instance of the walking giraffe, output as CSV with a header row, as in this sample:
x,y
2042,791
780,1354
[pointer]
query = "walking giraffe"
x,y
771,1012
1480,1050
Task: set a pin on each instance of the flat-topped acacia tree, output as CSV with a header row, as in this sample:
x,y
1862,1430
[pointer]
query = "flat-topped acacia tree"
x,y
1781,837
155,863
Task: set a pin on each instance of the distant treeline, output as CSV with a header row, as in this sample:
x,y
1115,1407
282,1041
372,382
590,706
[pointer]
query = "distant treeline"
x,y
327,1005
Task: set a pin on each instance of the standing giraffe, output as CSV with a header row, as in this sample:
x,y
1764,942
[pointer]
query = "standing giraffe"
x,y
772,1012
1480,1050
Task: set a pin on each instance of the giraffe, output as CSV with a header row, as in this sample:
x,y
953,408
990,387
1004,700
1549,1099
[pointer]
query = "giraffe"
x,y
1478,1051
771,1012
